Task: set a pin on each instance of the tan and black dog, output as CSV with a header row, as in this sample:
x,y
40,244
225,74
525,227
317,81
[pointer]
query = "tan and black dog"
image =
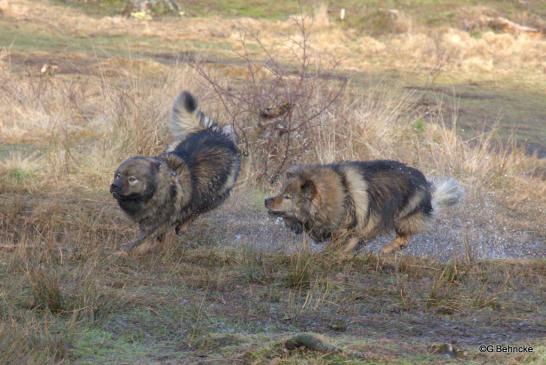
x,y
357,200
193,176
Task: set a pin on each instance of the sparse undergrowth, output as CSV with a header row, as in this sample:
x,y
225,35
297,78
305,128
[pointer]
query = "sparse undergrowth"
x,y
73,300
69,298
64,296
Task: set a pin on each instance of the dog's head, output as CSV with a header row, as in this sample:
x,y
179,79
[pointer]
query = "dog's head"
x,y
295,198
135,179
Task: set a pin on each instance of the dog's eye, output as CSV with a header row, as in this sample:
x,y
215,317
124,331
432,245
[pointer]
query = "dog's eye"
x,y
132,179
286,197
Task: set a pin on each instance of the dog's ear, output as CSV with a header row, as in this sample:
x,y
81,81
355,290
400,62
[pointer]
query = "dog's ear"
x,y
308,188
155,164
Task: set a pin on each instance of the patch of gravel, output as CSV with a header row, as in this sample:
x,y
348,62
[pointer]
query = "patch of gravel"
x,y
472,230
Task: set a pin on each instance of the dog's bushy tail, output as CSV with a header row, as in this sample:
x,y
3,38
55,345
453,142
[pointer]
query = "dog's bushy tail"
x,y
446,193
187,118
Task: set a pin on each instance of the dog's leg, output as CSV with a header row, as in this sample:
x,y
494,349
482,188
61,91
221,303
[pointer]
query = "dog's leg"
x,y
404,229
145,233
351,244
398,243
143,248
150,245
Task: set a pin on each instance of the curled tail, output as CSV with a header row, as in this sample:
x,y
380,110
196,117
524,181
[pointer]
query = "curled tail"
x,y
186,118
446,193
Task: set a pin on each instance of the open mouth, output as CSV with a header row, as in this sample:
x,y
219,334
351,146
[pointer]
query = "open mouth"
x,y
275,213
118,196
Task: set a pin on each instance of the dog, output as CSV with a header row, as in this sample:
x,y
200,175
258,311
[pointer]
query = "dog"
x,y
355,201
194,175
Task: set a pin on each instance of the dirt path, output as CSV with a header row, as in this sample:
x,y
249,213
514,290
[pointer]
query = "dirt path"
x,y
474,230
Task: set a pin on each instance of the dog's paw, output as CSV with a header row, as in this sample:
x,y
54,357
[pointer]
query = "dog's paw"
x,y
121,253
181,228
145,248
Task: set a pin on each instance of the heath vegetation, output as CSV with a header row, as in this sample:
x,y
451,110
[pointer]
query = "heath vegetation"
x,y
82,87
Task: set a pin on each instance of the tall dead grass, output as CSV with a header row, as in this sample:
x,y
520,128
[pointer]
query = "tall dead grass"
x,y
67,132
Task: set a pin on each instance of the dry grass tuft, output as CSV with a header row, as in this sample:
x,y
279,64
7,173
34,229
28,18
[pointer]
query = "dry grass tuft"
x,y
45,290
31,343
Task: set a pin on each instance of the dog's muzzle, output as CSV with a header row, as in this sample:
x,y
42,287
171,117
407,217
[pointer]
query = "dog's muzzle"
x,y
115,190
268,203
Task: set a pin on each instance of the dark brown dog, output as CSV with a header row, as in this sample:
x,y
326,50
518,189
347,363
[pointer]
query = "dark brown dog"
x,y
194,175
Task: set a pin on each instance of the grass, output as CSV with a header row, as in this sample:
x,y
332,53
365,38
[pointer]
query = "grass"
x,y
97,346
366,16
29,37
512,111
359,13
221,293
489,67
98,8
190,303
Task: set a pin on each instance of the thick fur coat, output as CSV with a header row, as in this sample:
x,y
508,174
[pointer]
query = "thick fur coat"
x,y
194,175
358,200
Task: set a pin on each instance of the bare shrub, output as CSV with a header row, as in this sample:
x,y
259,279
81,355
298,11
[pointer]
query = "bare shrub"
x,y
276,106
